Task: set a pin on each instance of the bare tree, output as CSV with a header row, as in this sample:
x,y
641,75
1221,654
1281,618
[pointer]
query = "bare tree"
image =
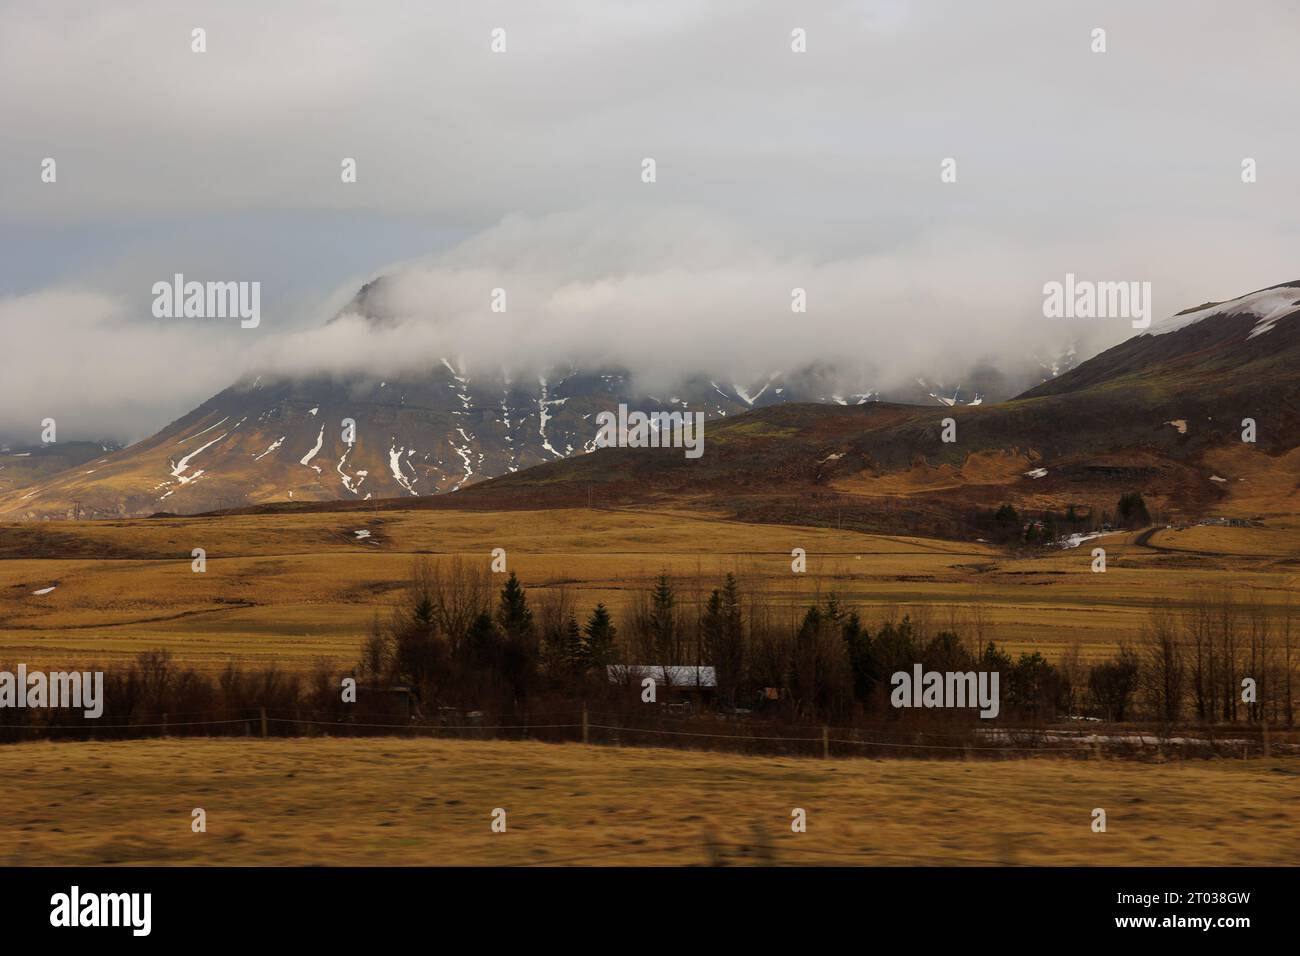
x,y
1162,665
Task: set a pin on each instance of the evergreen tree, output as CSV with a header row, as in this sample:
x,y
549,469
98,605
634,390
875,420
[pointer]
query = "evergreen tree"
x,y
575,651
730,659
600,634
664,628
513,615
483,643
861,656
422,613
519,644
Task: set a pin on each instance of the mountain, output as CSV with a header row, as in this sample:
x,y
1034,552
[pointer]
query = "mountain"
x,y
283,440
23,465
1163,414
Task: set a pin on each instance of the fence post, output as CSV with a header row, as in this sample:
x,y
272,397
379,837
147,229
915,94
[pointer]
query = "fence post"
x,y
826,742
263,711
584,723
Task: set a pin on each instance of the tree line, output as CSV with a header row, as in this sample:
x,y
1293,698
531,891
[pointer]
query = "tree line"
x,y
459,641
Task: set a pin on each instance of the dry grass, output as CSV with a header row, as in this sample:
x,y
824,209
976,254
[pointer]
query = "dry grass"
x,y
407,802
294,588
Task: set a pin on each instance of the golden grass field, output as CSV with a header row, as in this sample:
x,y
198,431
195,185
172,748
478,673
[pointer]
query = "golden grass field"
x,y
409,802
294,588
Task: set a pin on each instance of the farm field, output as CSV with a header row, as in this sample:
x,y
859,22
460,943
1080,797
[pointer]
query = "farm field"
x,y
295,588
422,802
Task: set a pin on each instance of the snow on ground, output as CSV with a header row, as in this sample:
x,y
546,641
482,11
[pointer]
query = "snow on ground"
x,y
179,468
270,448
45,590
347,479
1074,540
363,533
745,396
454,374
1036,473
320,442
1268,305
314,410
464,457
204,432
545,417
395,465
1217,478
505,422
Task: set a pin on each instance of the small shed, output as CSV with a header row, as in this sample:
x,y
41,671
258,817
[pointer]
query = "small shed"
x,y
670,679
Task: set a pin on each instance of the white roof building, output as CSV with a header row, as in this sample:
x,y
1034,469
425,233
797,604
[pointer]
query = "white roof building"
x,y
674,675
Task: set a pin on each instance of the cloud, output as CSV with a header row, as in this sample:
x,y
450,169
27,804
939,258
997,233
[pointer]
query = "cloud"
x,y
81,359
521,171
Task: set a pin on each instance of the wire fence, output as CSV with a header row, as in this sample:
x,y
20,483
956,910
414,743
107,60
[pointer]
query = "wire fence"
x,y
693,732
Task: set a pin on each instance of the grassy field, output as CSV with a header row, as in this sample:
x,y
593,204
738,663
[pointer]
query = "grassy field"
x,y
293,588
400,802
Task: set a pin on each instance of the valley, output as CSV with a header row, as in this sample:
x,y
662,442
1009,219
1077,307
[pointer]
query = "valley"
x,y
292,588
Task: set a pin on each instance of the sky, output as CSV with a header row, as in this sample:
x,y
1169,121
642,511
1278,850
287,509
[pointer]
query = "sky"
x,y
522,170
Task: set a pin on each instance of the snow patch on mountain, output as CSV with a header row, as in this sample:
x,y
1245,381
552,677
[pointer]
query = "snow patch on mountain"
x,y
348,479
746,397
1267,305
204,432
270,448
395,465
320,442
180,467
544,417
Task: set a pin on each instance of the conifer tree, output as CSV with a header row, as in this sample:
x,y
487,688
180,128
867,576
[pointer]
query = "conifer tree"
x,y
600,633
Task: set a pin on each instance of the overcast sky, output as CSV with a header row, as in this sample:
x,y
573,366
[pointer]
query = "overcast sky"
x,y
522,170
